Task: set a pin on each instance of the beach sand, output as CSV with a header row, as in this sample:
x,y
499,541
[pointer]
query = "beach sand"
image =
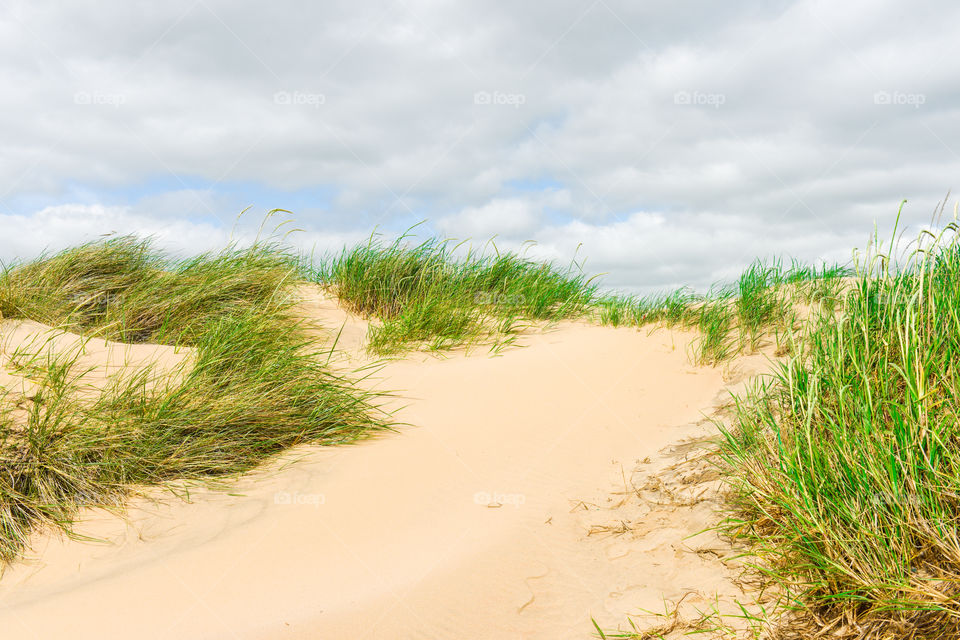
x,y
505,506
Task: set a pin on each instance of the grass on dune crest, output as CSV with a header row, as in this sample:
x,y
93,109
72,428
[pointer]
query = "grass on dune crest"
x,y
846,468
425,293
123,290
766,302
258,384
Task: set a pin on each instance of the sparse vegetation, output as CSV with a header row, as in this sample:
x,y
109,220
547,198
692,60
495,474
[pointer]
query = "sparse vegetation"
x,y
765,303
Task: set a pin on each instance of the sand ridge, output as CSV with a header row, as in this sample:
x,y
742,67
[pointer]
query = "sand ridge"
x,y
478,520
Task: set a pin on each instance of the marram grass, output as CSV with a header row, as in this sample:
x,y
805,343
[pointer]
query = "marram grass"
x,y
258,385
763,306
845,468
426,294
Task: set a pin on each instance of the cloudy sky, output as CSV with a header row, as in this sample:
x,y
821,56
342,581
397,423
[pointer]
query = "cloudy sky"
x,y
675,141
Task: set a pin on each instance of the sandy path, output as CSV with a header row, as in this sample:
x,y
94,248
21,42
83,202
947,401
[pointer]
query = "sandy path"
x,y
471,523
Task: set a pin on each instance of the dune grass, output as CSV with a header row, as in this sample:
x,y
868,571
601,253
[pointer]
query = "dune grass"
x,y
427,294
764,304
257,386
845,469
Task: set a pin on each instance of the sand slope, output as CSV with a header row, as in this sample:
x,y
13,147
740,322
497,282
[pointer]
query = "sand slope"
x,y
472,522
94,364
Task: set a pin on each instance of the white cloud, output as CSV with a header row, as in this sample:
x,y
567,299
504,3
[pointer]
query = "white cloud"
x,y
511,217
59,227
743,128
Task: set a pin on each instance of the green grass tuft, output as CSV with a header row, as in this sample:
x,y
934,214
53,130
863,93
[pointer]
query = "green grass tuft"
x,y
426,294
763,305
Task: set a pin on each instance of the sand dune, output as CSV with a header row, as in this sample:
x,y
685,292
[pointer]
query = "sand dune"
x,y
474,521
95,362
